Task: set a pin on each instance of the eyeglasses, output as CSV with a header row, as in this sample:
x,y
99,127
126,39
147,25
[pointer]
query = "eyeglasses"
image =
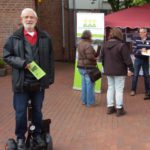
x,y
26,17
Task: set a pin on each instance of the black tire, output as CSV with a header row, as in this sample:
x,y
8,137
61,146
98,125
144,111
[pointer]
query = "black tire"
x,y
11,145
49,142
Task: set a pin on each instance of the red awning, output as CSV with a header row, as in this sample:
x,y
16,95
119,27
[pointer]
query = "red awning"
x,y
133,17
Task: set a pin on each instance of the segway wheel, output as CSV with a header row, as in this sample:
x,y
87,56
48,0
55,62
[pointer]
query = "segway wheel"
x,y
49,142
11,145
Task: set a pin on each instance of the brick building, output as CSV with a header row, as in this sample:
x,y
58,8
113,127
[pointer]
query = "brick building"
x,y
54,16
57,19
50,19
9,17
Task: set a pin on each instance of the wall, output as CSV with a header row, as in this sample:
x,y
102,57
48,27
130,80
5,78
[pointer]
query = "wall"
x,y
89,4
9,17
50,19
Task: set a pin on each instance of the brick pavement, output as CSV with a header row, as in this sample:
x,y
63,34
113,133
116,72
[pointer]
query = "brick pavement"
x,y
75,127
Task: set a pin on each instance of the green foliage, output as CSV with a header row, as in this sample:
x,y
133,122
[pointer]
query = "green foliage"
x,y
117,4
2,63
140,2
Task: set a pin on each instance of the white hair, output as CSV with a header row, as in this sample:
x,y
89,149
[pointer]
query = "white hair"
x,y
27,10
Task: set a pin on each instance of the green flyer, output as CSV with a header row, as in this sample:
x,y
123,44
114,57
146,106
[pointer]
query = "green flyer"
x,y
36,70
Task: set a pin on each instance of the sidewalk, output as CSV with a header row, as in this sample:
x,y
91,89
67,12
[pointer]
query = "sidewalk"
x,y
76,127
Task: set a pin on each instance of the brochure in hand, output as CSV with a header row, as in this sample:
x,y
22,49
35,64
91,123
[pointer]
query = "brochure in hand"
x,y
36,70
145,54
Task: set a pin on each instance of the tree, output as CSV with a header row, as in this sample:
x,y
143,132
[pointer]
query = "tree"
x,y
140,2
117,4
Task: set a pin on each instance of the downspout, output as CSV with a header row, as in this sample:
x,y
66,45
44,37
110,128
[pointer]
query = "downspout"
x,y
36,6
63,29
75,23
37,11
68,34
74,10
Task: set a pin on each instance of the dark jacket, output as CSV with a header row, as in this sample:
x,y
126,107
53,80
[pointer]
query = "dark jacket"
x,y
116,58
14,55
138,44
86,55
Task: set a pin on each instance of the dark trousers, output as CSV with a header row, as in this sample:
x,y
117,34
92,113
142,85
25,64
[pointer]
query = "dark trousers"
x,y
20,102
138,63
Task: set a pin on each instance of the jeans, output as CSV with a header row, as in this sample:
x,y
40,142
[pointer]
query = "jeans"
x,y
88,95
115,91
138,63
20,102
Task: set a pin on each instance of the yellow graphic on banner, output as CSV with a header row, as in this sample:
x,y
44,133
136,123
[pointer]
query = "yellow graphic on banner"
x,y
89,23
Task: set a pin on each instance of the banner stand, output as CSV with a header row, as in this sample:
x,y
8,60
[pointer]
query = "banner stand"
x,y
95,23
77,85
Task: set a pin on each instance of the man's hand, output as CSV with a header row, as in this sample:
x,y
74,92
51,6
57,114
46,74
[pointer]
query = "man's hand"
x,y
143,50
27,66
130,73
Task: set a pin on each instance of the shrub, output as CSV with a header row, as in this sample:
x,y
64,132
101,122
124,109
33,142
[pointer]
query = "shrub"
x,y
2,63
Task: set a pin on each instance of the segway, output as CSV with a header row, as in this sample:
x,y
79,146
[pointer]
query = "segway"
x,y
30,143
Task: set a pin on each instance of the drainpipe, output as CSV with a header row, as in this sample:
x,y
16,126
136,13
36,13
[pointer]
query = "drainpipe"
x,y
75,23
63,28
36,6
74,11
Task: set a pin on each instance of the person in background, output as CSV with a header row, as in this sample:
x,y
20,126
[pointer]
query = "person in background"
x,y
29,44
87,59
117,64
141,44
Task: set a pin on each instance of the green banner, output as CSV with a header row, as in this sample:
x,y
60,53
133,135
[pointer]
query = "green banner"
x,y
95,23
77,85
100,36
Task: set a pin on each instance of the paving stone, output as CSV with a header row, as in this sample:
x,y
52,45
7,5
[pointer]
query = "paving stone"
x,y
76,127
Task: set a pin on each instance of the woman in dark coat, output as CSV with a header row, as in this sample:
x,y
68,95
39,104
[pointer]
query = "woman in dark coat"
x,y
86,61
117,64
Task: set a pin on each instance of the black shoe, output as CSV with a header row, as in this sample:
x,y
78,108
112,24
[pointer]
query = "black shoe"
x,y
147,96
111,110
21,144
39,141
120,112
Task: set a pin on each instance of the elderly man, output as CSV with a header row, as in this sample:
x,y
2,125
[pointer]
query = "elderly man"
x,y
141,44
26,45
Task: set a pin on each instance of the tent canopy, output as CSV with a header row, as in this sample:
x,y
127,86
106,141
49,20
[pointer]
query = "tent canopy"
x,y
133,17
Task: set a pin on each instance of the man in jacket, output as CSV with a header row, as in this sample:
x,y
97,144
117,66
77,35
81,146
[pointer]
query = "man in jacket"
x,y
141,44
26,45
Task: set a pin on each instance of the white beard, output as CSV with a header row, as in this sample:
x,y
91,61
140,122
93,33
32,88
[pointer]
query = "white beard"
x,y
29,26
